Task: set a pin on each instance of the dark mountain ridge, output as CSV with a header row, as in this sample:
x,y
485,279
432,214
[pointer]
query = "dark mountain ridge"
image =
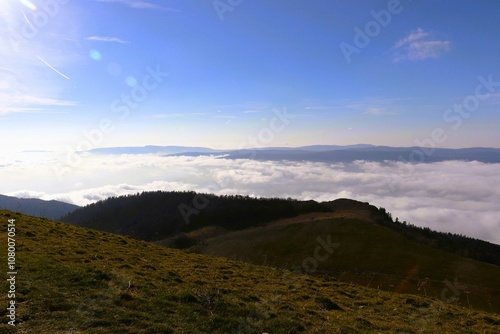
x,y
157,215
37,207
154,216
151,149
378,154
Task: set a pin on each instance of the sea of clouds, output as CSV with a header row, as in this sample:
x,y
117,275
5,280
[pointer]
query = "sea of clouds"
x,y
452,196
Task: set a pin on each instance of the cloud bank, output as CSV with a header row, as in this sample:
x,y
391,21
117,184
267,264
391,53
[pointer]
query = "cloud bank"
x,y
452,196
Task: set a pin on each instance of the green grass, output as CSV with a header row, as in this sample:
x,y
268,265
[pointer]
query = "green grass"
x,y
369,255
75,280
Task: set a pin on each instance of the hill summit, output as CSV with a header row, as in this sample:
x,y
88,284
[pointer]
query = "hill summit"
x,y
168,216
377,251
73,279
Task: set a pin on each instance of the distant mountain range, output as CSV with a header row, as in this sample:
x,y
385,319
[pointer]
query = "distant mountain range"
x,y
323,153
37,207
150,149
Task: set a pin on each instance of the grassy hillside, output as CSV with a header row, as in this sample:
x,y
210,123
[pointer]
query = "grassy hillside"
x,y
366,254
76,280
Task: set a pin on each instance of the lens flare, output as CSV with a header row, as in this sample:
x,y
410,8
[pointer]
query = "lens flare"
x,y
28,4
131,81
96,55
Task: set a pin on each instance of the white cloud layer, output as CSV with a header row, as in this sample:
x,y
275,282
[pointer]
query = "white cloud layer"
x,y
453,196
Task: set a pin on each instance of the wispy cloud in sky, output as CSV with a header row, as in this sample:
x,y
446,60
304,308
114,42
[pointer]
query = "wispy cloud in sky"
x,y
107,39
380,106
419,45
17,96
231,69
414,36
14,103
179,115
140,4
253,111
34,59
377,111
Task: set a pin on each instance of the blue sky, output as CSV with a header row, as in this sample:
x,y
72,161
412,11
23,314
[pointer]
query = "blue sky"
x,y
97,73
